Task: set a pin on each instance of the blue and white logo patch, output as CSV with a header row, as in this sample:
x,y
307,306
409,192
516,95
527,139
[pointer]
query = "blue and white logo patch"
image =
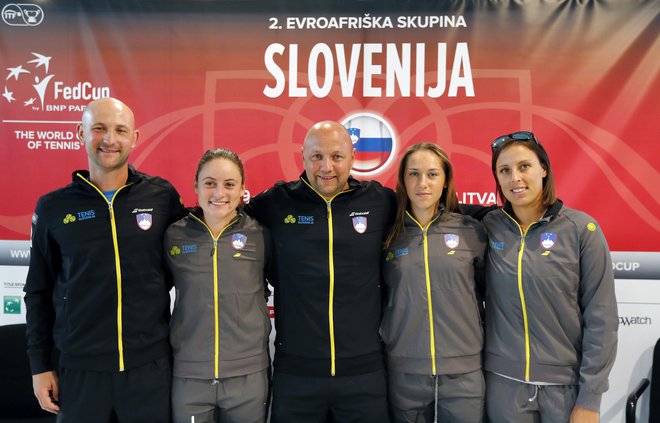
x,y
360,224
400,252
187,249
305,220
452,240
496,245
548,239
84,215
238,241
144,221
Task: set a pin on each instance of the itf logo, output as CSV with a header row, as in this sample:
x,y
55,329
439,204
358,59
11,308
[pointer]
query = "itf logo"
x,y
21,14
12,304
374,142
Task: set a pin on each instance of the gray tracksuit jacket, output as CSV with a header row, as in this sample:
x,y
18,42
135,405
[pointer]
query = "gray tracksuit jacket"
x,y
431,321
551,313
220,322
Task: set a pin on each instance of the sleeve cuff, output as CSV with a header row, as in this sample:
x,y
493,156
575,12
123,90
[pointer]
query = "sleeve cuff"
x,y
589,400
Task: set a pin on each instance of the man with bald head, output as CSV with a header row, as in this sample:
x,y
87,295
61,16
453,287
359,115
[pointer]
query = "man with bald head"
x,y
327,231
96,291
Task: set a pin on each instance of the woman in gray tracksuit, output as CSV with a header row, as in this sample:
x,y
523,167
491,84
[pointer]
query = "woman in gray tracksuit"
x,y
431,325
220,325
551,314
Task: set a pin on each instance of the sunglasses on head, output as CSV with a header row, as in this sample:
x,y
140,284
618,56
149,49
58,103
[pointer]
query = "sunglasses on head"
x,y
518,136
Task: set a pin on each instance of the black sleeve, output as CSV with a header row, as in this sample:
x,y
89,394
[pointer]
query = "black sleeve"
x,y
258,207
477,211
177,210
270,270
42,276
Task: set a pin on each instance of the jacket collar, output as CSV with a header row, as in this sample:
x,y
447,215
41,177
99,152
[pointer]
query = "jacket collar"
x,y
408,220
549,214
352,184
133,175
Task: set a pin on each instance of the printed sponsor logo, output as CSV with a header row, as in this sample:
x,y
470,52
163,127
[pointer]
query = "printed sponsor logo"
x,y
22,14
69,218
374,142
190,248
175,251
305,220
12,304
401,252
355,213
389,256
13,285
496,245
635,320
84,215
290,219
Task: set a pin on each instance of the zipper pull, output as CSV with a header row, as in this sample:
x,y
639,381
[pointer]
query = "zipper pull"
x,y
215,245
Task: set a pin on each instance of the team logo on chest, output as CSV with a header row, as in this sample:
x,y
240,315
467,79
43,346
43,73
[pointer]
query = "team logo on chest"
x,y
238,241
548,239
144,221
452,240
360,224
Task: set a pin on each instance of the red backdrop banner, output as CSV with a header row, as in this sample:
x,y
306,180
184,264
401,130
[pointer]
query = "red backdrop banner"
x,y
198,75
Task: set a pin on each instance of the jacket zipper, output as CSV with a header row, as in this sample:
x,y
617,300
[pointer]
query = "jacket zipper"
x,y
331,293
521,292
429,299
216,305
331,264
115,244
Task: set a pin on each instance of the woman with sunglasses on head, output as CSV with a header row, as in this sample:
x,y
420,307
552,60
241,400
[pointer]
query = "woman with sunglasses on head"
x,y
551,313
220,325
431,325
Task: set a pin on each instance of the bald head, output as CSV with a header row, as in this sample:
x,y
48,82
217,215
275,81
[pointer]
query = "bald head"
x,y
108,104
328,157
328,129
109,134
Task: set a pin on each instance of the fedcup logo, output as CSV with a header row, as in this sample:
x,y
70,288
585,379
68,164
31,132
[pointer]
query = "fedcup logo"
x,y
31,86
35,70
374,142
22,14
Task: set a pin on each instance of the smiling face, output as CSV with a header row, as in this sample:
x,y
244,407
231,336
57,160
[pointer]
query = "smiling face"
x,y
520,177
219,188
328,155
108,132
424,180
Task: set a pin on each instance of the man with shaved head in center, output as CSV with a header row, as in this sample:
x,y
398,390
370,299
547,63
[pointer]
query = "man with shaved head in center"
x,y
96,290
327,231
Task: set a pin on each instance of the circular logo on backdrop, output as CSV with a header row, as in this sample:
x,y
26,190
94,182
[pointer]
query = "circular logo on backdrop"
x,y
374,142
